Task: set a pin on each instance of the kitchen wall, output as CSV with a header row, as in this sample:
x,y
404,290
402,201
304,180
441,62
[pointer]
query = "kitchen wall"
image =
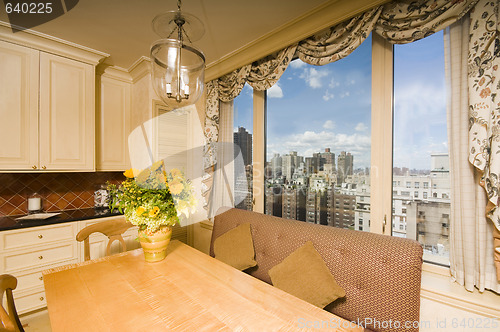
x,y
59,191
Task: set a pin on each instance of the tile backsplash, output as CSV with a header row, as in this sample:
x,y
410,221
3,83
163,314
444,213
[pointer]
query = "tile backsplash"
x,y
59,191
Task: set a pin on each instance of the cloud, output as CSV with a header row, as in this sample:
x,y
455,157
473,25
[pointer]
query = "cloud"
x,y
275,91
333,83
327,96
297,64
345,94
329,124
361,127
313,77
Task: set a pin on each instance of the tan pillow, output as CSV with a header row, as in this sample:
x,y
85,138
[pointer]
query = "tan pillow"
x,y
235,247
304,274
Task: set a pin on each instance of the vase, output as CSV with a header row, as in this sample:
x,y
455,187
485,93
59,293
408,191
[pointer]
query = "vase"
x,y
154,244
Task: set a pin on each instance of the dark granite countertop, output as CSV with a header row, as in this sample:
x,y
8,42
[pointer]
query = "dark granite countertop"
x,y
10,222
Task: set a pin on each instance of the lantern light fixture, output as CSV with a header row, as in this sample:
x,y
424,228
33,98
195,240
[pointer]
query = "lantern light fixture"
x,y
178,66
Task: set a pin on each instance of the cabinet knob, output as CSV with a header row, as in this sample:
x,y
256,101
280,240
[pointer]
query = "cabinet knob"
x,y
34,166
40,257
40,236
41,298
44,167
41,278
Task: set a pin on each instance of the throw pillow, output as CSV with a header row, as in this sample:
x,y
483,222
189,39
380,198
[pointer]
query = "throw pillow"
x,y
305,275
235,247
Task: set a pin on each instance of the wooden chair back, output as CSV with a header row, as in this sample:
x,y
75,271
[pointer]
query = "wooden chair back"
x,y
9,320
113,229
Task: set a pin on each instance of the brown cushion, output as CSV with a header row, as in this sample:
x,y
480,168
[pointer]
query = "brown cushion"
x,y
235,247
304,274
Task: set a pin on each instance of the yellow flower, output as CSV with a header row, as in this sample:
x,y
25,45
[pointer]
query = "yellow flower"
x,y
175,172
154,211
131,173
140,210
175,187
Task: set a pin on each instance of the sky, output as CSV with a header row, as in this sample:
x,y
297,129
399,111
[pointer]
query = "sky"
x,y
316,107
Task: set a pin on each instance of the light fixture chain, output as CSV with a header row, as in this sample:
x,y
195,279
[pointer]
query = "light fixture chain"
x,y
179,5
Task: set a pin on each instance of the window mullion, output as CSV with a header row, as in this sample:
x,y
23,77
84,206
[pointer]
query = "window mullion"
x,y
381,136
259,149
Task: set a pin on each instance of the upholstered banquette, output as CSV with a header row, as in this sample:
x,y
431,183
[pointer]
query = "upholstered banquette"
x,y
380,274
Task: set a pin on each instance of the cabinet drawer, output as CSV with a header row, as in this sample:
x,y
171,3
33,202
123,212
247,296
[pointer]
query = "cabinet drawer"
x,y
29,301
39,235
42,257
29,279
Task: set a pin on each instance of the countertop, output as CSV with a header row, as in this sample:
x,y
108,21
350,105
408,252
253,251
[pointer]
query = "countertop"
x,y
10,222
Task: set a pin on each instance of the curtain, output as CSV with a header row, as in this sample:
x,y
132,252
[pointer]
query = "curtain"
x,y
471,241
405,21
338,41
484,108
222,176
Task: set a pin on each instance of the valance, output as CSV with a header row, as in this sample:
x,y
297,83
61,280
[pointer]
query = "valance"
x,y
404,22
338,41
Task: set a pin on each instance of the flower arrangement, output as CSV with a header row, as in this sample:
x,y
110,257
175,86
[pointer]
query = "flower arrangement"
x,y
153,198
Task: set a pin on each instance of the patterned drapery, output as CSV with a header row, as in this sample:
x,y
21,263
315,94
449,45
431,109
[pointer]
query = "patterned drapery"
x,y
338,41
261,75
406,21
484,106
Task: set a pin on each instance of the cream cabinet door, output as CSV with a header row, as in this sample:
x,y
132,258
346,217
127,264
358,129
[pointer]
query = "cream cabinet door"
x,y
66,114
113,125
18,107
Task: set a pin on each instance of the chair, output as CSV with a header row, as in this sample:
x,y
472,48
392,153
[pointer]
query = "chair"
x,y
113,229
9,321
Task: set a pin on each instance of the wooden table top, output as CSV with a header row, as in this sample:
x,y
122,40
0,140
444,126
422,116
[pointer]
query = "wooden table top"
x,y
187,291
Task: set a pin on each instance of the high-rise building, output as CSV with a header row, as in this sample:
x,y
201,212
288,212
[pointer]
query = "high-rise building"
x,y
294,203
274,200
329,158
243,139
344,166
316,207
276,166
289,163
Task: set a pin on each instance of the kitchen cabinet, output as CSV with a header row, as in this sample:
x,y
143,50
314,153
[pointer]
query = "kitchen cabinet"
x,y
67,114
47,106
19,72
113,124
25,253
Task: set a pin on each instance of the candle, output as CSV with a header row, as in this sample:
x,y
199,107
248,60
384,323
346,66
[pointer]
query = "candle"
x,y
186,89
34,204
169,88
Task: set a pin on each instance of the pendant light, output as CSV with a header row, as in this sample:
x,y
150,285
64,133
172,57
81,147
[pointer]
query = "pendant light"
x,y
178,66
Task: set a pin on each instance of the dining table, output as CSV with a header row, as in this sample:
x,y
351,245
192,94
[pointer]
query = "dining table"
x,y
187,291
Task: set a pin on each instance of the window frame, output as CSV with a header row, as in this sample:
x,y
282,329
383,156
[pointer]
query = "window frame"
x,y
381,169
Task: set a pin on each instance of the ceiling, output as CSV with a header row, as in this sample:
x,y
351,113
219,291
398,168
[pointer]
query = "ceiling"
x,y
122,28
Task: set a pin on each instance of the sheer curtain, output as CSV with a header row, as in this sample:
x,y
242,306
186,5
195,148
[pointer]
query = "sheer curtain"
x,y
471,234
223,176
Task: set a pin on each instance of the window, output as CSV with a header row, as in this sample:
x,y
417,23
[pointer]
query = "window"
x,y
319,154
420,95
243,143
301,133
